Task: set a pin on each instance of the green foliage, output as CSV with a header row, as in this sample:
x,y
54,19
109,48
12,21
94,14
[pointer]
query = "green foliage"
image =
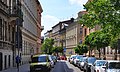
x,y
114,43
105,13
80,49
57,49
47,46
98,39
77,50
84,49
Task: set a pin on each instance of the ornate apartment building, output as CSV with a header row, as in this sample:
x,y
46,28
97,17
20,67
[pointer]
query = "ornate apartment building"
x,y
10,19
75,34
48,34
59,32
20,30
31,30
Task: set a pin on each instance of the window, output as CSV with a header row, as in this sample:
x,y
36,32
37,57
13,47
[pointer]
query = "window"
x,y
39,59
6,31
0,29
9,32
85,31
80,30
114,65
80,42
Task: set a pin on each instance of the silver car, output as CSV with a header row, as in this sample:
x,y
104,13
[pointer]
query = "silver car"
x,y
97,66
112,66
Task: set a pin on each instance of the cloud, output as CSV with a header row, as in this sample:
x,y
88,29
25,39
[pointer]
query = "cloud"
x,y
78,2
48,22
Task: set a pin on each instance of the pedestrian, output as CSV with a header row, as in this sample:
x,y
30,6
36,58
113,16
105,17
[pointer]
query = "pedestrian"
x,y
18,60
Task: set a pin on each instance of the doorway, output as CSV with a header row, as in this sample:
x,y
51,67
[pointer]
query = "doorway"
x,y
1,61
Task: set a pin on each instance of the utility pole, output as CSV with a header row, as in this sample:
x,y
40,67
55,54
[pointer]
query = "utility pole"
x,y
18,30
19,21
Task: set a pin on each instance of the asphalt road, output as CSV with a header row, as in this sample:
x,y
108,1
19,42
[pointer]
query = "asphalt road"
x,y
64,66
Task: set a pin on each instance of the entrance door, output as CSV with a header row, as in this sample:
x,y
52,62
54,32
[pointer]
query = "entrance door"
x,y
0,61
5,61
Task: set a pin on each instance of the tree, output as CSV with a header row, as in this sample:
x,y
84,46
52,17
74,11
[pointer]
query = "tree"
x,y
89,41
98,40
105,13
84,48
58,49
81,49
114,45
47,46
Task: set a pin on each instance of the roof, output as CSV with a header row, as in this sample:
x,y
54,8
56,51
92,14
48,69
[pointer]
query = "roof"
x,y
112,61
66,22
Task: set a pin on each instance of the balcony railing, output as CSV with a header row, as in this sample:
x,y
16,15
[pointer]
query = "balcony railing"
x,y
12,11
42,27
3,7
15,11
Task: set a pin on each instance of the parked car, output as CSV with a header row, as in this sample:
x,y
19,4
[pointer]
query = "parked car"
x,y
112,66
98,66
80,64
72,57
63,57
76,59
40,63
88,62
52,60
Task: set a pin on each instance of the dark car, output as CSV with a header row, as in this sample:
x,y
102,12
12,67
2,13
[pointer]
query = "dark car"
x,y
40,63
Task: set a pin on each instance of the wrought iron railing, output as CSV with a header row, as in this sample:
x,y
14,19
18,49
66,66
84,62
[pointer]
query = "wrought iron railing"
x,y
3,7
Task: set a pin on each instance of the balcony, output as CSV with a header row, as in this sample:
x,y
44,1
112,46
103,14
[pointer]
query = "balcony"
x,y
3,8
42,27
15,12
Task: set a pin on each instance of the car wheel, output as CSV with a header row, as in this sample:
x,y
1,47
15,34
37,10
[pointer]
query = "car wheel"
x,y
81,69
84,70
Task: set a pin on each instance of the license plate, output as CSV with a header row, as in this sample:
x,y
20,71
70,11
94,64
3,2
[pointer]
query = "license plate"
x,y
38,69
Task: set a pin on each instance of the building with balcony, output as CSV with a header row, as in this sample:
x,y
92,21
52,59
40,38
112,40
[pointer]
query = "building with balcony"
x,y
31,30
75,34
48,34
59,32
10,18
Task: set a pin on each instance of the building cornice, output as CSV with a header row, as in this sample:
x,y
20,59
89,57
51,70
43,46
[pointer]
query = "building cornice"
x,y
28,34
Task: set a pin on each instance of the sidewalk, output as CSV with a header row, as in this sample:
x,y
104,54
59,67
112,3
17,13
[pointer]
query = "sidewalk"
x,y
22,68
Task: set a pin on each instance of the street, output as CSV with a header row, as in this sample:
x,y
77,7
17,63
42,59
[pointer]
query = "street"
x,y
61,66
64,66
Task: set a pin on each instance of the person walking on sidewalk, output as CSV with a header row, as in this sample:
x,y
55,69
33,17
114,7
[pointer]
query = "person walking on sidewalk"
x,y
18,60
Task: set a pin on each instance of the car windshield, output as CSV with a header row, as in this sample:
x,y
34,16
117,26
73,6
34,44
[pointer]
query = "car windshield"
x,y
114,65
91,60
100,63
39,59
81,59
78,57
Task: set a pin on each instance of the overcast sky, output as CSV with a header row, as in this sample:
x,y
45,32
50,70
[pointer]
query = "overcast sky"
x,y
59,10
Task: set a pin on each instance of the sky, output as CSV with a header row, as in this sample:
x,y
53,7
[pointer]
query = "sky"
x,y
55,11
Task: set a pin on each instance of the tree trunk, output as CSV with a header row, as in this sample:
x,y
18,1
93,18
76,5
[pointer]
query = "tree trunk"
x,y
99,53
115,54
104,54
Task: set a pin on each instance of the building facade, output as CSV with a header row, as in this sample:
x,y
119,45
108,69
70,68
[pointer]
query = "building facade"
x,y
10,18
48,34
75,34
59,32
31,30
